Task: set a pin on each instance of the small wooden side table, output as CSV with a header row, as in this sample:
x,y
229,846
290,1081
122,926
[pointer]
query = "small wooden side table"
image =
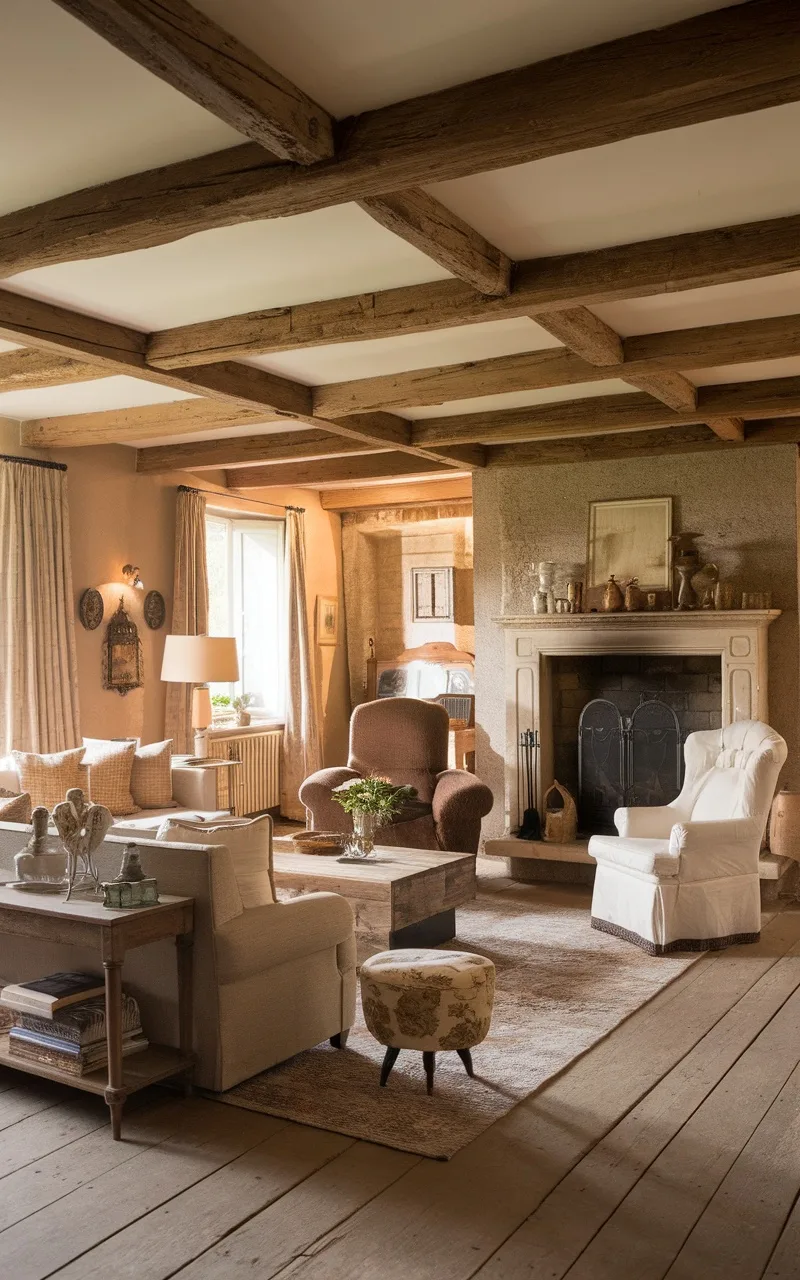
x,y
89,924
225,769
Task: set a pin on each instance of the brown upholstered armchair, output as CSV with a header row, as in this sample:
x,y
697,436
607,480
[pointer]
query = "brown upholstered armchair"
x,y
405,740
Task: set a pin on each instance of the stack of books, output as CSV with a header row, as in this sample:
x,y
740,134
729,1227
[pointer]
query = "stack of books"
x,y
60,1021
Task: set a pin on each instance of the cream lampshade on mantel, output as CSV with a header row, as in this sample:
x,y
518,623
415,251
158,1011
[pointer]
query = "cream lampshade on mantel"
x,y
200,660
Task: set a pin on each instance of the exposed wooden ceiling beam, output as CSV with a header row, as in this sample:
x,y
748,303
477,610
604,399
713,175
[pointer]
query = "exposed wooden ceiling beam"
x,y
727,428
27,370
650,267
602,415
434,230
415,494
697,438
329,470
734,60
743,342
585,334
192,54
245,451
120,349
143,422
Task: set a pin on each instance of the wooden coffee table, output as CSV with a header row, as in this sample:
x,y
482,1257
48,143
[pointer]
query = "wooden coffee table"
x,y
406,898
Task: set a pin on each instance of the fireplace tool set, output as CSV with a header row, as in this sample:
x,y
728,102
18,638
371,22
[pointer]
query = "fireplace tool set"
x,y
527,760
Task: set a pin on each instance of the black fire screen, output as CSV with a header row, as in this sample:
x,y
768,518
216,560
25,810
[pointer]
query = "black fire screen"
x,y
626,760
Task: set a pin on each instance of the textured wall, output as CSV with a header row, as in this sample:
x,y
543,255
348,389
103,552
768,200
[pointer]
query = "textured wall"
x,y
743,502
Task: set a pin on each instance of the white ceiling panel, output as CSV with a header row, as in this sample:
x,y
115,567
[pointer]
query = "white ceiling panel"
x,y
86,397
253,266
519,399
345,360
721,304
789,368
228,433
353,55
656,185
78,112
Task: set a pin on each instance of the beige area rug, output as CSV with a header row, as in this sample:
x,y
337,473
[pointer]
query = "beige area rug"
x,y
561,987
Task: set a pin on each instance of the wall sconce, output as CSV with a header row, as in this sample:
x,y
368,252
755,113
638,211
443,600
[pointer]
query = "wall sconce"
x,y
130,573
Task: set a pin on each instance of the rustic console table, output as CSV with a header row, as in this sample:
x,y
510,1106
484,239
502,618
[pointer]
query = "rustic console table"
x,y
88,923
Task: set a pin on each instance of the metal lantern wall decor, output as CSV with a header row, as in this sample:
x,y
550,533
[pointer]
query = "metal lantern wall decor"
x,y
123,669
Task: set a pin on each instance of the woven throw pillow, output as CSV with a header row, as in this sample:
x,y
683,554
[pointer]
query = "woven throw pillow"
x,y
48,778
16,809
110,768
249,842
151,779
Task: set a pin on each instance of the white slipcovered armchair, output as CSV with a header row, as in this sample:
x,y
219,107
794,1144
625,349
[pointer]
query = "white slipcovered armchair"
x,y
684,876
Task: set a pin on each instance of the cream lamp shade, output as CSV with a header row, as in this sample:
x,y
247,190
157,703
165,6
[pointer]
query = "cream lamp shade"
x,y
200,660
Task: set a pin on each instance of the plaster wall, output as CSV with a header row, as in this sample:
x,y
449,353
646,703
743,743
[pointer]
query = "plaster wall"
x,y
744,503
117,516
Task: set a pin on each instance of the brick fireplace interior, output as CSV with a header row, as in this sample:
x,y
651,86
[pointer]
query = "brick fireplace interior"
x,y
690,685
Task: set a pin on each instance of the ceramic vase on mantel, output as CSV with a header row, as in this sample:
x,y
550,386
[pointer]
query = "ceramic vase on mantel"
x,y
362,842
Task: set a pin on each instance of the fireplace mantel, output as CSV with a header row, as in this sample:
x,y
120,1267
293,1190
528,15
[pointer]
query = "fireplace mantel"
x,y
712,619
738,636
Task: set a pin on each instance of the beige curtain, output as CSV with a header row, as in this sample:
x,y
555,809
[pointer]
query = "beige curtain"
x,y
189,606
302,750
38,666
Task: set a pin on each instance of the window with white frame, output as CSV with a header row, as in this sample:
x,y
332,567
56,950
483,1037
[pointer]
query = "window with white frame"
x,y
245,600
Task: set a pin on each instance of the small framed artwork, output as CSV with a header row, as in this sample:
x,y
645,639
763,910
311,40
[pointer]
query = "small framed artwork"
x,y
432,595
630,539
327,620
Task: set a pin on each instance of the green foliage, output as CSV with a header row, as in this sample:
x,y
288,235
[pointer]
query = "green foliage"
x,y
243,701
220,700
372,795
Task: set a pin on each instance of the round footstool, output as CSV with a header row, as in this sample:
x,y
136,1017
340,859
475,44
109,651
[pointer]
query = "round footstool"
x,y
428,1001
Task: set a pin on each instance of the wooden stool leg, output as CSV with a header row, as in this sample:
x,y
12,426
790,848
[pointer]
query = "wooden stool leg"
x,y
429,1063
388,1062
466,1058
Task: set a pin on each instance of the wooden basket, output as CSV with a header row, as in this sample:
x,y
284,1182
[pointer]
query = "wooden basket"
x,y
325,843
784,825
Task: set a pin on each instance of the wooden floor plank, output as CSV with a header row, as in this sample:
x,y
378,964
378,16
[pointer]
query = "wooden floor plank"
x,y
550,1241
26,1099
47,1131
648,1230
445,1220
783,1263
158,1244
735,1236
279,1234
206,1139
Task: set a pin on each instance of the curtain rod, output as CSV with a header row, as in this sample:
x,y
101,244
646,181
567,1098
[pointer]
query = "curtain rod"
x,y
187,488
34,462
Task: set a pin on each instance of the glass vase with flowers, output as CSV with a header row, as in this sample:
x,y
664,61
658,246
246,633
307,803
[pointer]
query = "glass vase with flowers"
x,y
372,802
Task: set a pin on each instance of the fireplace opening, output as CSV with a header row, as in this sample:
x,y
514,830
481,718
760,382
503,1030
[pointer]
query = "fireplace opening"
x,y
619,725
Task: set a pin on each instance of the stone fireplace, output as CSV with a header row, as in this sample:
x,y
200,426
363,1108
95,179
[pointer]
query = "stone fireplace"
x,y
710,668
619,722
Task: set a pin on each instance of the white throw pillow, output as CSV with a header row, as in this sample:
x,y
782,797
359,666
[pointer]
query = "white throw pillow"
x,y
249,842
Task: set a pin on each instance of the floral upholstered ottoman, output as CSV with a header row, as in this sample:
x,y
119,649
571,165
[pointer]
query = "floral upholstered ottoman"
x,y
429,1001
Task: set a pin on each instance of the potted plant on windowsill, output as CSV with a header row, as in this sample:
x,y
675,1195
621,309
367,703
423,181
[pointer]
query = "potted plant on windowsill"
x,y
240,705
372,802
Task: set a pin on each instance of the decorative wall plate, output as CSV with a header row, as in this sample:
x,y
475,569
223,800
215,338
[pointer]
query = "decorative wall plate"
x,y
90,609
155,611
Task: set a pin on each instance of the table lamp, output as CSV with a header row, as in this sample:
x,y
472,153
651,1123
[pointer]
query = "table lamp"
x,y
200,660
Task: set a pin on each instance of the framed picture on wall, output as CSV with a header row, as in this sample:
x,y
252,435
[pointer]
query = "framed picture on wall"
x,y
630,539
327,620
432,595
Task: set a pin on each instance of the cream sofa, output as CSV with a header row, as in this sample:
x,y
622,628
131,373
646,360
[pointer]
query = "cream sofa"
x,y
269,980
193,790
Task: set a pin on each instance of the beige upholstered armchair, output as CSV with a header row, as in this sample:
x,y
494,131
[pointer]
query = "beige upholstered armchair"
x,y
405,740
684,876
270,979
